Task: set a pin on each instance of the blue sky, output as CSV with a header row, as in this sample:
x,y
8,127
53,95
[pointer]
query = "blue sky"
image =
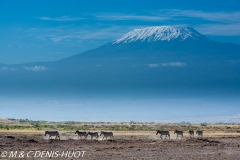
x,y
50,30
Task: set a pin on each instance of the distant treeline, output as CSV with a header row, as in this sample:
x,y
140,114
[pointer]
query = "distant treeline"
x,y
44,122
75,127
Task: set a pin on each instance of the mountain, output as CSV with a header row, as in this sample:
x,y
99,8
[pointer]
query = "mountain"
x,y
162,42
153,58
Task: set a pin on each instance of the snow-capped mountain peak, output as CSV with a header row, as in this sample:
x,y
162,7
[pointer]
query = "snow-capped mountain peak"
x,y
159,33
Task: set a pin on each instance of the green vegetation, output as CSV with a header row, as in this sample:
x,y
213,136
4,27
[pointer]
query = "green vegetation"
x,y
26,124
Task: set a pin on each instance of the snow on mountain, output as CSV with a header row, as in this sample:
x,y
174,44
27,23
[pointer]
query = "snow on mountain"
x,y
159,33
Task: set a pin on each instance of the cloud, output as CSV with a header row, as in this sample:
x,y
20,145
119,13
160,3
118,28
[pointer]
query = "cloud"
x,y
219,29
63,18
62,34
160,15
171,64
233,61
153,65
35,68
209,23
174,64
116,16
4,68
9,69
172,14
62,37
225,17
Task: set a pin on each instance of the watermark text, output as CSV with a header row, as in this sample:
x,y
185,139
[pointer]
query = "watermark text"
x,y
42,154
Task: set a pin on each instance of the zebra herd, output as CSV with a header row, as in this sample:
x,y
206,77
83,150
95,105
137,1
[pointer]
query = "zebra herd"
x,y
199,133
82,134
179,133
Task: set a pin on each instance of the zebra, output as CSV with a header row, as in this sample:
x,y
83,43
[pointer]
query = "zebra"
x,y
199,133
166,133
52,133
93,134
80,134
228,127
178,133
191,133
107,134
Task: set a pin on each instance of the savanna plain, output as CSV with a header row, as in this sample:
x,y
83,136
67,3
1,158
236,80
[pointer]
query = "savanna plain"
x,y
131,140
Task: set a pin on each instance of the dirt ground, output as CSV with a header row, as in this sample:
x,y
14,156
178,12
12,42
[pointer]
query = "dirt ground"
x,y
125,146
